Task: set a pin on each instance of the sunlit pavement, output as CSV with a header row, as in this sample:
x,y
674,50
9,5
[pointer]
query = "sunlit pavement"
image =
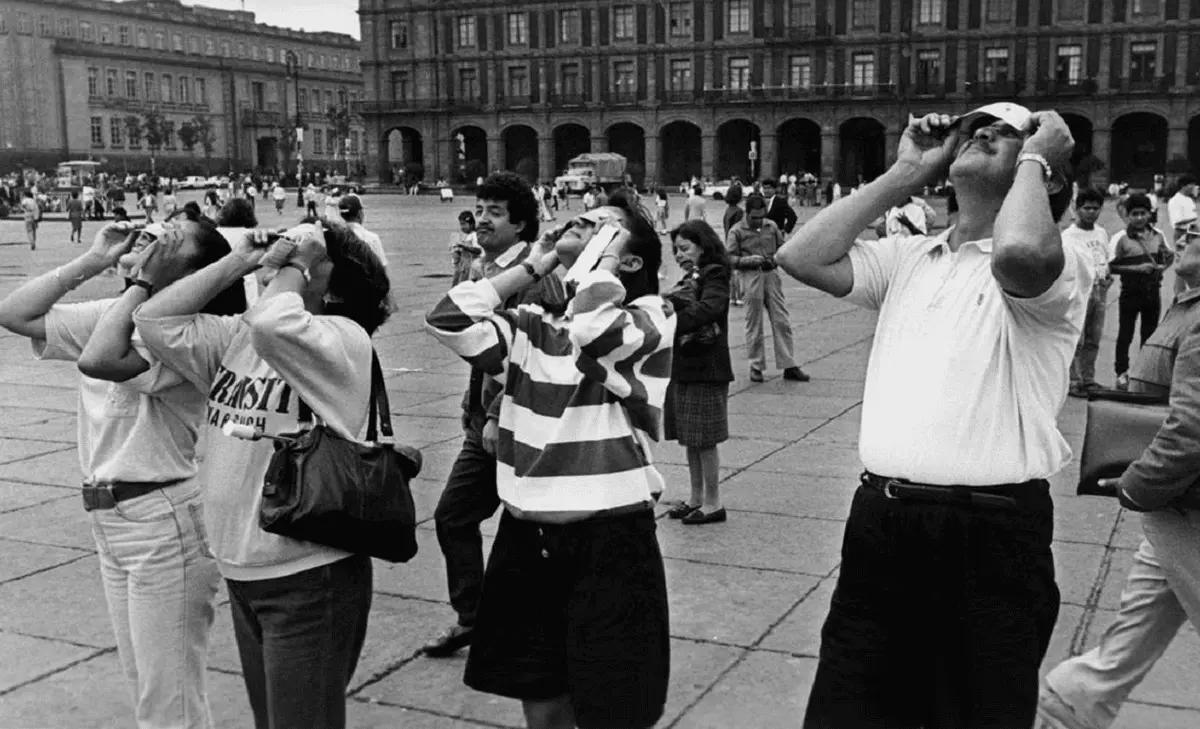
x,y
747,597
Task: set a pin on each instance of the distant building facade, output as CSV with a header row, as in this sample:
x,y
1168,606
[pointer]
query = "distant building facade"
x,y
73,72
751,88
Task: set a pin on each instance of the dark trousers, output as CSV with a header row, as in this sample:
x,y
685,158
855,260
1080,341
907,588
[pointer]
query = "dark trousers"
x,y
940,617
469,500
299,638
1130,307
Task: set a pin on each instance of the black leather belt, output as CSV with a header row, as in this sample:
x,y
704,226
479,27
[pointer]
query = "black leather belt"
x,y
973,496
106,495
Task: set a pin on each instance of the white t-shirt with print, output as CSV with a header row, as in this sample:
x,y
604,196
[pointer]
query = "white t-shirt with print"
x,y
1095,243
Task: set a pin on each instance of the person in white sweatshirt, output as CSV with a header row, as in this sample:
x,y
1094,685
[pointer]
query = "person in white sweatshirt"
x,y
299,608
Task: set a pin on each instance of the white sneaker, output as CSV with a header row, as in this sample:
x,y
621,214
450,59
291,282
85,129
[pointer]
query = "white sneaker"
x,y
1055,711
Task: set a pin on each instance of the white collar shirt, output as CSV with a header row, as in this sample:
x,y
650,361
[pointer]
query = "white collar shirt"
x,y
1181,209
964,382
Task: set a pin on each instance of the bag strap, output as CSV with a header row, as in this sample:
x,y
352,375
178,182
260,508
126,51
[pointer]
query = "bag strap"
x,y
379,416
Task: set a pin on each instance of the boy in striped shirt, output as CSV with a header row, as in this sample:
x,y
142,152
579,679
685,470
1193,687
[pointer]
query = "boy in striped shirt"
x,y
573,617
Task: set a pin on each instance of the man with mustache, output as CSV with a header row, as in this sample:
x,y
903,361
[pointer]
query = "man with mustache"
x,y
946,599
506,214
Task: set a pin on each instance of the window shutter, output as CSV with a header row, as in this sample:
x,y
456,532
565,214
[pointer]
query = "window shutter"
x,y
641,25
698,73
1171,10
1044,70
660,76
1195,12
1096,10
951,14
758,21
1193,59
551,79
1093,57
778,18
718,71
660,23
777,67
585,27
973,15
551,31
481,28
643,65
718,19
1022,13
972,62
839,66
1170,48
756,70
587,78
605,86
448,28
500,29
534,27
951,67
449,72
482,74
535,82
698,9
1118,7
1019,60
839,17
906,17
1117,61
1045,14
605,32
884,67
501,81
885,16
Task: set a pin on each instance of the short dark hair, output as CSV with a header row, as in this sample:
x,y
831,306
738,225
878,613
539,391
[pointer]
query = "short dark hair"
x,y
1089,195
1185,180
769,181
237,213
213,247
643,243
697,189
511,188
734,195
467,216
703,235
359,279
1138,201
754,201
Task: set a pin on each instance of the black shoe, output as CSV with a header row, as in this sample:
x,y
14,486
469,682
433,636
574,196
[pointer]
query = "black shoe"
x,y
756,375
448,643
681,510
699,517
795,374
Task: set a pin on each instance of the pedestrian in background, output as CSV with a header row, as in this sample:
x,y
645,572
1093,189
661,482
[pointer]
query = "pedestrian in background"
x,y
32,215
733,215
1139,256
1084,232
696,410
463,247
280,196
1181,209
663,209
75,215
693,207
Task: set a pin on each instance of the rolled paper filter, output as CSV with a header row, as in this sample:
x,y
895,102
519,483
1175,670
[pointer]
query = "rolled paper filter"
x,y
237,430
279,253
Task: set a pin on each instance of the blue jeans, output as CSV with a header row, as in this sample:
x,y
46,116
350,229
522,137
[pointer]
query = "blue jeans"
x,y
299,638
160,582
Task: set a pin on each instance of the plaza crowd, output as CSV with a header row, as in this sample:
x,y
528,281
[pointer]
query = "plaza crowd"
x,y
946,596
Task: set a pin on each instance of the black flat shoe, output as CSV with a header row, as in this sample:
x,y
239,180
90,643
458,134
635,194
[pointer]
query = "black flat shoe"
x,y
699,517
795,374
680,510
448,643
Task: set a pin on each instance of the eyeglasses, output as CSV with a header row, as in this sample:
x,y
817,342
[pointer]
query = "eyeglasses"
x,y
996,129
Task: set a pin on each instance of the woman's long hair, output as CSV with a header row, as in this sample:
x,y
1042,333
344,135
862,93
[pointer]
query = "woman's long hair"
x,y
359,284
702,234
213,247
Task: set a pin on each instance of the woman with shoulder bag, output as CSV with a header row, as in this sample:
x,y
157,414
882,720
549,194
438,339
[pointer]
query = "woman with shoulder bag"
x,y
299,608
696,410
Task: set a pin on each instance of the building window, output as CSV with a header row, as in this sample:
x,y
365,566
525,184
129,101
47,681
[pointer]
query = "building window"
x,y
106,33
315,97
123,36
468,84
85,31
738,15
226,49
624,25
110,82
341,95
330,143
354,141
929,12
681,74
929,71
328,100
258,95
625,77
24,25
679,18
864,70
97,128
317,145
800,72
1070,9
210,47
1069,67
466,31
321,61
570,79
177,42
399,34
400,89
168,133
256,53
241,51
160,41
149,87
143,38
995,65
93,75
518,82
185,90
568,26
801,14
518,29
115,130
44,28
167,94
1144,7
64,27
999,11
131,84
1143,61
303,98
270,54
312,60
863,16
193,45
739,73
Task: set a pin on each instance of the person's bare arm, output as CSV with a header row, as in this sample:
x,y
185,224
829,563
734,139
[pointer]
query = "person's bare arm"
x,y
818,253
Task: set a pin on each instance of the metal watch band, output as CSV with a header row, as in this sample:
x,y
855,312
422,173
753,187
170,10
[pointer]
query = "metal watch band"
x,y
1047,172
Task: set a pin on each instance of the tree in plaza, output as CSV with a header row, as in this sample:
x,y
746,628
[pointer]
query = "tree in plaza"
x,y
286,134
339,126
155,128
133,130
187,136
206,138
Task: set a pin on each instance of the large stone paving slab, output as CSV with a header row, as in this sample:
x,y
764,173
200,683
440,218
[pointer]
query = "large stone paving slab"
x,y
64,603
38,657
61,522
800,631
18,449
56,469
766,691
22,558
790,494
59,429
815,459
765,541
14,496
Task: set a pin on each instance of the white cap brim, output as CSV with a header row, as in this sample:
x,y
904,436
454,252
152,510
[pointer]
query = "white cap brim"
x,y
1015,115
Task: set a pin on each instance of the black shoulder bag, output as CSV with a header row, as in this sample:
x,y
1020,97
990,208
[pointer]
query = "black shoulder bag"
x,y
321,487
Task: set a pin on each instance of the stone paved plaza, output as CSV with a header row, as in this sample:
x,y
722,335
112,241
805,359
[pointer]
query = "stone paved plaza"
x,y
747,597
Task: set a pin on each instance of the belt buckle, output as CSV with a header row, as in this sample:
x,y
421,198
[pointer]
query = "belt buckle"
x,y
889,488
98,498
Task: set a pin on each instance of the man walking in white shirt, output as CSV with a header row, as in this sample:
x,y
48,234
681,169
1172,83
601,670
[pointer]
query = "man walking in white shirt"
x,y
1181,209
946,599
1095,241
351,209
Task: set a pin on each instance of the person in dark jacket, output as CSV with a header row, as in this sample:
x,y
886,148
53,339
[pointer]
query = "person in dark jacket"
x,y
695,413
733,215
778,210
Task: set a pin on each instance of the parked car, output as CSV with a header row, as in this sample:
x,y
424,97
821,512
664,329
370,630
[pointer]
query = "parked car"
x,y
718,190
192,182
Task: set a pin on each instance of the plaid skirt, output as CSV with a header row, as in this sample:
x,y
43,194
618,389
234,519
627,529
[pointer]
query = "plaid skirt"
x,y
696,413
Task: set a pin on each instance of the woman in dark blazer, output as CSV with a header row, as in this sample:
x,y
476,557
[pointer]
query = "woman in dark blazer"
x,y
696,409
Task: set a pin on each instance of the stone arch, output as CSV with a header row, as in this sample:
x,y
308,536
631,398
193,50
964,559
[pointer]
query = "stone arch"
x,y
798,145
680,150
570,140
863,143
402,154
1139,150
470,153
629,139
520,145
1081,130
679,119
735,138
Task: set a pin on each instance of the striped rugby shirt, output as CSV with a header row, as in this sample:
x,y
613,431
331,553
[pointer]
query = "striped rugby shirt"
x,y
583,392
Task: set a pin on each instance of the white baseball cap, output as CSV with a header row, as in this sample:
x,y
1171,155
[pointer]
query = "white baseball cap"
x,y
1015,115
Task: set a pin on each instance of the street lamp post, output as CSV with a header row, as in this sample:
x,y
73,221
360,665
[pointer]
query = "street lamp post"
x,y
293,70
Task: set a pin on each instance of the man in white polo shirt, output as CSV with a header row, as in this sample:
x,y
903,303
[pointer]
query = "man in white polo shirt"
x,y
946,598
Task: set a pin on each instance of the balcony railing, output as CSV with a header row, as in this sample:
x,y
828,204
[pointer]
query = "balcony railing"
x,y
680,96
261,118
809,32
862,91
928,89
788,93
465,103
993,89
622,98
514,102
395,106
1067,87
1153,85
566,100
733,96
126,103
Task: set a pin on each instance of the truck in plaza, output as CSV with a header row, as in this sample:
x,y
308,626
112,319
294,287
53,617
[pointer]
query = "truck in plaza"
x,y
606,169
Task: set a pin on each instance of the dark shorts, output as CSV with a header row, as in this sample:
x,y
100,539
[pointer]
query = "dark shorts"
x,y
577,610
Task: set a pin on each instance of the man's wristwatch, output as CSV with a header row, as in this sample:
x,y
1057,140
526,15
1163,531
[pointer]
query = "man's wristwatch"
x,y
302,269
1047,171
141,283
531,271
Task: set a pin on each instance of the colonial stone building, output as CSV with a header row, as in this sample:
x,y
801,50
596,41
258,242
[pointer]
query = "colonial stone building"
x,y
72,72
703,87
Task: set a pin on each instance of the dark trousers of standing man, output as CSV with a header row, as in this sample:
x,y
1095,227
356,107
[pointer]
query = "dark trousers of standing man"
x,y
469,500
1131,306
941,615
